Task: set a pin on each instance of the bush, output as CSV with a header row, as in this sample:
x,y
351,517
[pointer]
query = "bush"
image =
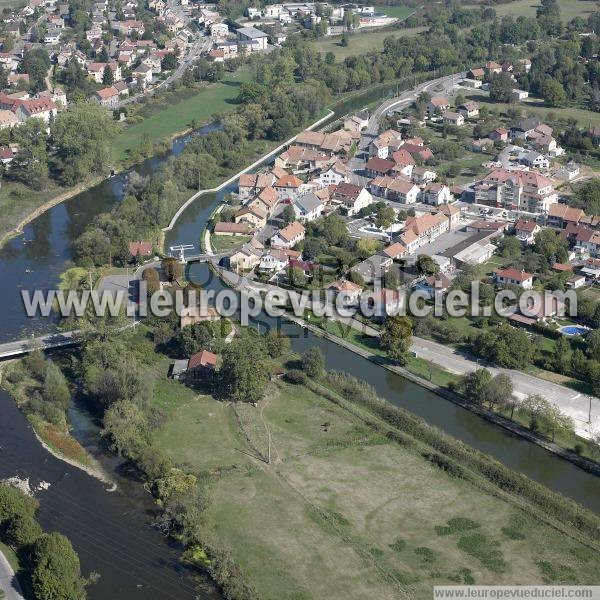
x,y
296,376
22,530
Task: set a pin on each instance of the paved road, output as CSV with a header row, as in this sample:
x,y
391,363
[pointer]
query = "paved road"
x,y
571,403
8,581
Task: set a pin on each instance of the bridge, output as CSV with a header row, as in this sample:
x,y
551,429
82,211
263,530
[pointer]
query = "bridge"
x,y
44,342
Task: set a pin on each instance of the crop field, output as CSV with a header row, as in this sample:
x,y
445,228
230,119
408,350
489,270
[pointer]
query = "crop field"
x,y
340,498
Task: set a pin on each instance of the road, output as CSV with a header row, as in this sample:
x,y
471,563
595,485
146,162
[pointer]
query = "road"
x,y
577,406
8,581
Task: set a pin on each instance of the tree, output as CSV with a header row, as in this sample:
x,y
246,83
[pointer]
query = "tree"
x,y
561,356
108,77
313,362
277,344
30,165
551,246
396,337
172,268
593,344
533,406
501,87
152,279
384,216
169,62
553,92
553,421
426,265
83,136
510,247
474,385
55,388
499,390
244,374
288,214
56,573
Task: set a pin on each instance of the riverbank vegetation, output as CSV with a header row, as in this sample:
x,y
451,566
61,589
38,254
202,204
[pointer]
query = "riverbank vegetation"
x,y
41,391
48,568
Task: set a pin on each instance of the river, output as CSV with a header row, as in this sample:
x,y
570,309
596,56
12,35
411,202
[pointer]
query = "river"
x,y
111,530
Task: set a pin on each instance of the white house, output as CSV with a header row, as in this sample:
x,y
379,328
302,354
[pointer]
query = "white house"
x,y
289,236
436,194
308,207
514,277
334,175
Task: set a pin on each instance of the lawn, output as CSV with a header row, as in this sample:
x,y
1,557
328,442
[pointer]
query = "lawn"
x,y
199,108
535,107
12,3
400,12
343,512
362,42
227,243
10,556
569,9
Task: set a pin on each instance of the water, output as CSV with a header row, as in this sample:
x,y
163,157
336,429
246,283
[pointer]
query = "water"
x,y
111,531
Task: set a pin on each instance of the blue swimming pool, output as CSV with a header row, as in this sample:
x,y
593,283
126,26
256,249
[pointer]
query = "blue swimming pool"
x,y
573,330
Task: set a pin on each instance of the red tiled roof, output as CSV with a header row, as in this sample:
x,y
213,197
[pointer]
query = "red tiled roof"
x,y
204,358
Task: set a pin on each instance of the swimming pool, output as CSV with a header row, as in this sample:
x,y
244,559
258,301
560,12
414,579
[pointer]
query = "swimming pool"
x,y
573,330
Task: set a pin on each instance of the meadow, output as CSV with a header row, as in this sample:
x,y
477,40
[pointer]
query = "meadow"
x,y
338,497
569,9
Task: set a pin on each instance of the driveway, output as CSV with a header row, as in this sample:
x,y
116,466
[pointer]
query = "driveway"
x,y
8,581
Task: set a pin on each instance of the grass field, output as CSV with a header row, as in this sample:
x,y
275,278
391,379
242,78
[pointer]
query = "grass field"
x,y
400,12
10,556
12,4
362,42
343,512
569,9
199,108
226,243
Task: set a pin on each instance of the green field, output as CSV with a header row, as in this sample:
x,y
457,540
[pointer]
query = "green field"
x,y
569,9
343,512
227,243
176,117
12,4
535,107
362,42
400,12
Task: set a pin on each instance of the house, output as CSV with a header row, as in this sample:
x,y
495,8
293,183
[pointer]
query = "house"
x,y
560,215
96,70
52,36
352,197
273,261
499,134
477,73
143,74
266,199
516,190
421,175
335,174
308,207
395,251
201,364
469,109
250,184
452,213
524,128
403,191
373,268
514,277
246,258
349,291
288,187
453,118
225,228
591,243
385,143
252,215
289,236
534,159
108,97
568,172
439,283
436,193
474,250
40,108
357,122
519,94
526,231
378,166
423,229
436,105
385,302
493,67
253,38
418,150
140,249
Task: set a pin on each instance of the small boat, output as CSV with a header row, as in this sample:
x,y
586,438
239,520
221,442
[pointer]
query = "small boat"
x,y
28,271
